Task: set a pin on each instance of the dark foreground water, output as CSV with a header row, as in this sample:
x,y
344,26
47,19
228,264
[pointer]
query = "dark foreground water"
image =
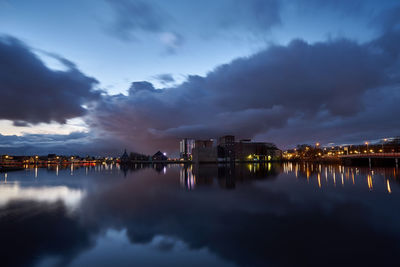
x,y
246,215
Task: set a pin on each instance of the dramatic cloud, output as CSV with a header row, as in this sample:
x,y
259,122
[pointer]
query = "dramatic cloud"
x,y
325,85
31,93
330,91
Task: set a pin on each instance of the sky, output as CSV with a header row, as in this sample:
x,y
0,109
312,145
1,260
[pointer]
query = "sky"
x,y
98,76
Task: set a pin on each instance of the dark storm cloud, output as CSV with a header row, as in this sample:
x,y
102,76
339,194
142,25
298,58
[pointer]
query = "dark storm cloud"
x,y
325,84
31,93
331,91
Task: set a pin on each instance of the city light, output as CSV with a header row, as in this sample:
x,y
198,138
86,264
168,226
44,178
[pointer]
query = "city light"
x,y
336,153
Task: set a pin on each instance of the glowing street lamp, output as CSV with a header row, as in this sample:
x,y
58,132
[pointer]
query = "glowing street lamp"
x,y
384,140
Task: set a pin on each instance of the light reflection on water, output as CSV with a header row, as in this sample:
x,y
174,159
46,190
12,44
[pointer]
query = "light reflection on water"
x,y
333,174
200,215
71,197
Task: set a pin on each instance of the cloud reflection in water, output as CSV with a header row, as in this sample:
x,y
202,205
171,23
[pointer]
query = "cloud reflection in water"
x,y
280,215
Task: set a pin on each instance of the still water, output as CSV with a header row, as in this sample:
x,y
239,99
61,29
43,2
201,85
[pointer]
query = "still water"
x,y
243,215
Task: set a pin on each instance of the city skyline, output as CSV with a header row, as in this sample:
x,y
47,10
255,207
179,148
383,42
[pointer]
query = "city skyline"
x,y
95,77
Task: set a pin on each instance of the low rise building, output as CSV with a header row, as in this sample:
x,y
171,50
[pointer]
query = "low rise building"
x,y
159,156
228,150
204,151
256,151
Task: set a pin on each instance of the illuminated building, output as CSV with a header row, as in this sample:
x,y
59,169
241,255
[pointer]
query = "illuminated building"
x,y
185,148
230,151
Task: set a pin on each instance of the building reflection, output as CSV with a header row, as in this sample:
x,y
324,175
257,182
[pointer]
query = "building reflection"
x,y
322,176
108,167
388,186
70,168
228,176
342,175
187,177
225,175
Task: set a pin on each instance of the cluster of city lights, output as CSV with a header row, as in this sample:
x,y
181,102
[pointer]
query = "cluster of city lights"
x,y
309,151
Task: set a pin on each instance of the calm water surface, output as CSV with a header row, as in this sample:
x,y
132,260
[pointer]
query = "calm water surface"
x,y
243,215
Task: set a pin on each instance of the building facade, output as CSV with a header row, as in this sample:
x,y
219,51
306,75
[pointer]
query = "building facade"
x,y
185,148
228,150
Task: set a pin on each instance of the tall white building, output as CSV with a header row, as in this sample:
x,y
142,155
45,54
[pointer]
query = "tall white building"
x,y
185,148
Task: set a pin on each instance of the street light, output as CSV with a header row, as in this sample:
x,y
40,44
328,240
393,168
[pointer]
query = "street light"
x,y
366,143
384,140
